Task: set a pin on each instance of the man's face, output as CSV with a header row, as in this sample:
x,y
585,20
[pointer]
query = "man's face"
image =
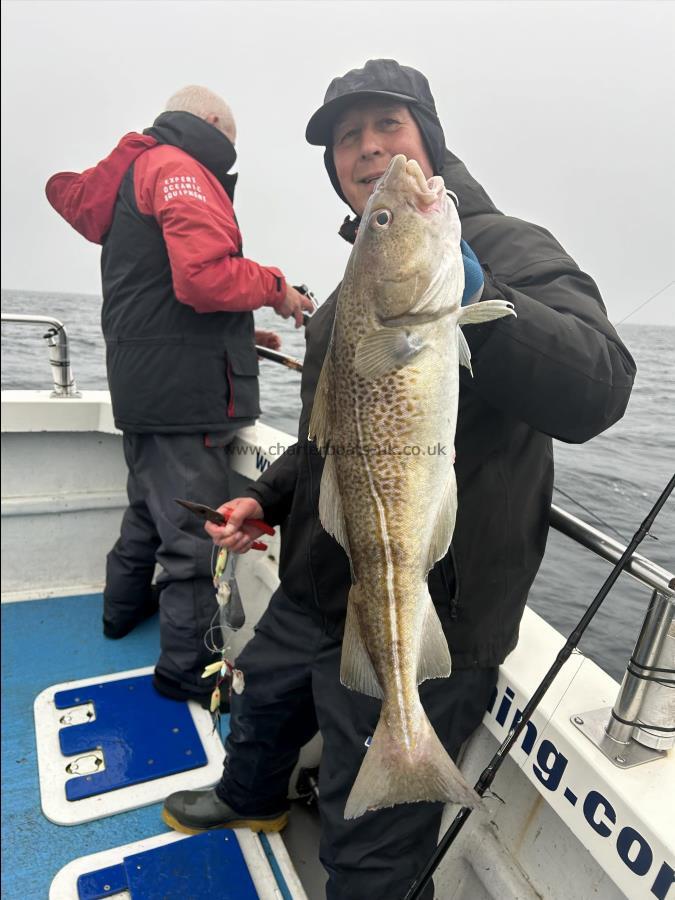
x,y
365,138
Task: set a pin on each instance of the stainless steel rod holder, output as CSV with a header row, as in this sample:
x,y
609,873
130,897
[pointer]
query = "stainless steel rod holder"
x,y
647,656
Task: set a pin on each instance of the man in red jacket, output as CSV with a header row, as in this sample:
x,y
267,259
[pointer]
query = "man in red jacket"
x,y
178,298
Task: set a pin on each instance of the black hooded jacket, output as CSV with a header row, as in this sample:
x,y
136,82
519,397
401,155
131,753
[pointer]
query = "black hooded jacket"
x,y
557,370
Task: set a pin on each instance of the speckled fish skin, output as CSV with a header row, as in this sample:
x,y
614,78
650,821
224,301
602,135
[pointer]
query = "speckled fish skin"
x,y
385,414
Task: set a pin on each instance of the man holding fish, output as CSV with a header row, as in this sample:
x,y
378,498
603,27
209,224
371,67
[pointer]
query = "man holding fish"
x,y
415,503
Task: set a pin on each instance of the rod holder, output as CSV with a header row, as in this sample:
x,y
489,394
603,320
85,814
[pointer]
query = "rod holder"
x,y
641,725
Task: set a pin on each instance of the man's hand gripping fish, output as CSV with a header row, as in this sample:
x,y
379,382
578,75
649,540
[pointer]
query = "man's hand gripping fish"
x,y
386,399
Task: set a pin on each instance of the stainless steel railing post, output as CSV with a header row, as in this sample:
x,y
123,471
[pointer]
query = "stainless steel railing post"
x,y
59,354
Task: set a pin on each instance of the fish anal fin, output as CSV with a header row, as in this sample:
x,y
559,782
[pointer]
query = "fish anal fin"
x,y
434,656
485,311
319,420
445,522
356,669
386,350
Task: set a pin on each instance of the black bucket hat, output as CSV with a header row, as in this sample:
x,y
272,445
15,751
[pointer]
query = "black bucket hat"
x,y
378,78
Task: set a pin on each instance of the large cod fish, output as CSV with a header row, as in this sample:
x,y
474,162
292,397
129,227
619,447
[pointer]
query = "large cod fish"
x,y
384,415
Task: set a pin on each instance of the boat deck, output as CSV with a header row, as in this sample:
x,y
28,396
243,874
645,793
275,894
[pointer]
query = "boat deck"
x,y
47,642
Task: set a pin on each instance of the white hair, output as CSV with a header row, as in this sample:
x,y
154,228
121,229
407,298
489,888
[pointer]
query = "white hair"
x,y
202,102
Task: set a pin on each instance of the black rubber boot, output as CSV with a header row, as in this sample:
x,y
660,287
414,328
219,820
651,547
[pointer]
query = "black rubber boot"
x,y
192,812
167,687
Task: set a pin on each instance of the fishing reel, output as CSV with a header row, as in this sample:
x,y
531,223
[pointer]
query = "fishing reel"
x,y
303,289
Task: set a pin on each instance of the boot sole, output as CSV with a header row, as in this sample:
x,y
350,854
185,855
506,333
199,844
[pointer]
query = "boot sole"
x,y
267,825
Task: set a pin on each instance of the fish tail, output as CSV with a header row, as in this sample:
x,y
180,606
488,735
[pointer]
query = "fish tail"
x,y
391,774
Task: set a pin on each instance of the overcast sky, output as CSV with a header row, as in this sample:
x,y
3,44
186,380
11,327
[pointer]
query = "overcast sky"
x,y
563,111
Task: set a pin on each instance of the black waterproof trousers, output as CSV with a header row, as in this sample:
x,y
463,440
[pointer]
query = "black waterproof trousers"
x,y
155,529
292,687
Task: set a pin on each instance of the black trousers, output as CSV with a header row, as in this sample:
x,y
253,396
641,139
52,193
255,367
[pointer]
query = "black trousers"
x,y
155,529
292,688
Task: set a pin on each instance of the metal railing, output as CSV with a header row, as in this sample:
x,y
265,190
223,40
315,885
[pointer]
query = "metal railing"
x,y
59,355
641,724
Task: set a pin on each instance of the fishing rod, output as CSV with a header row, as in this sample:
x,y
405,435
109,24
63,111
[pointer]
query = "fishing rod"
x,y
489,773
289,361
274,356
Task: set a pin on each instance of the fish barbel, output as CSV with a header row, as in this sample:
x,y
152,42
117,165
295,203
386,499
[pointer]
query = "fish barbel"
x,y
384,415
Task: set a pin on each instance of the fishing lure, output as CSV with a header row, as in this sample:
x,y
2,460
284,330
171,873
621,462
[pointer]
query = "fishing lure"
x,y
231,617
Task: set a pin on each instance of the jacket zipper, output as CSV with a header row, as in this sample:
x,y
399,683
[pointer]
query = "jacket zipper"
x,y
315,590
454,600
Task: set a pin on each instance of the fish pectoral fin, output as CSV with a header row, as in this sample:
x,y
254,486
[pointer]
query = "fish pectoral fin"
x,y
463,350
319,420
485,311
445,522
434,659
356,669
386,350
331,513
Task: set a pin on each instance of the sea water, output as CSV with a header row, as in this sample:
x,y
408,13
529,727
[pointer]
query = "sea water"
x,y
611,482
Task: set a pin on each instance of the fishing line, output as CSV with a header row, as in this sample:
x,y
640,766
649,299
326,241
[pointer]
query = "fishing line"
x,y
649,300
591,513
417,888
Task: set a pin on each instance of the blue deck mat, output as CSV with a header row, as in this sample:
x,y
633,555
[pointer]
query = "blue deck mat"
x,y
141,734
47,642
206,866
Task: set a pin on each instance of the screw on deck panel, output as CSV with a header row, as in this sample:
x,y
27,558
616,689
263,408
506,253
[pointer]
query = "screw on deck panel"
x,y
150,762
578,720
175,730
188,752
620,759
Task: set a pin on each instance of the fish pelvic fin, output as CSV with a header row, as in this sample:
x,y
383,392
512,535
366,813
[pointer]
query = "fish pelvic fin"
x,y
356,668
485,311
463,351
434,657
445,522
331,512
319,420
392,774
386,350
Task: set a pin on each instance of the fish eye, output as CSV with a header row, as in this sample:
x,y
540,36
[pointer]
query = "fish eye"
x,y
381,219
454,198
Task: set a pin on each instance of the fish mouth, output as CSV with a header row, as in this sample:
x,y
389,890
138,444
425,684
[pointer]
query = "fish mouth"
x,y
425,195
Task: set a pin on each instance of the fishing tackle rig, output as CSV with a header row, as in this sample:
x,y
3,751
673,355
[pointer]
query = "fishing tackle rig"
x,y
229,616
226,621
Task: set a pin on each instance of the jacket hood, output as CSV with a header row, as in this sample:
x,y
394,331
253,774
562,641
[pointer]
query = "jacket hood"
x,y
86,200
200,140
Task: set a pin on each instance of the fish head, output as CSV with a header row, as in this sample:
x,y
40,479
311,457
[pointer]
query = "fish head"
x,y
408,244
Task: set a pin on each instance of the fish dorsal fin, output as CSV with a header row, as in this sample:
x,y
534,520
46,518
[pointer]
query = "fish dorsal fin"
x,y
463,350
386,350
434,659
330,505
485,311
445,522
356,669
319,420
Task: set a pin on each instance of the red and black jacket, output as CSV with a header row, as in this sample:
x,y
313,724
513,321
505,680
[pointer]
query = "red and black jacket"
x,y
177,293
